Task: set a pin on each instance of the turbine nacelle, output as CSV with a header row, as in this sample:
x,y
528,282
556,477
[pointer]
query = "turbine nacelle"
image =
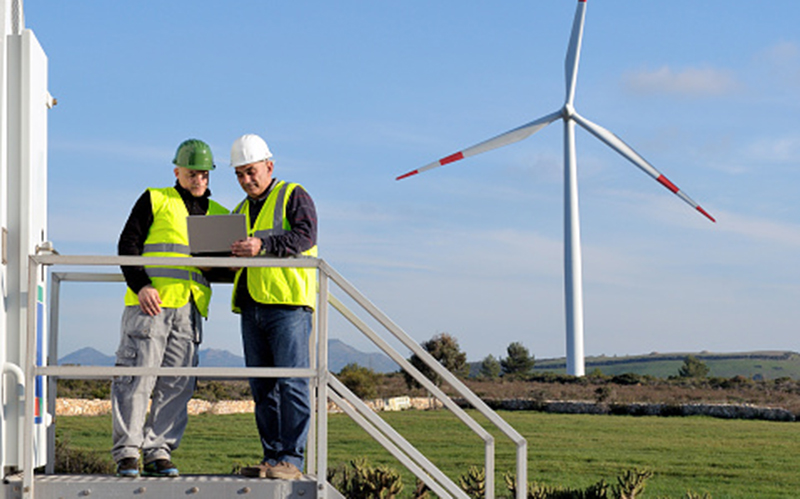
x,y
567,112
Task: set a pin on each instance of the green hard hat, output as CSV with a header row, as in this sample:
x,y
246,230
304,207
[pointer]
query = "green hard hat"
x,y
195,155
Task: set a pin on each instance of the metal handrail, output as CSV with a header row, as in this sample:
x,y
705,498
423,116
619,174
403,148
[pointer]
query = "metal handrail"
x,y
338,394
393,441
440,370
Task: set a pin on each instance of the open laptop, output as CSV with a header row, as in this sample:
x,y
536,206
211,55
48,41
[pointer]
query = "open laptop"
x,y
212,235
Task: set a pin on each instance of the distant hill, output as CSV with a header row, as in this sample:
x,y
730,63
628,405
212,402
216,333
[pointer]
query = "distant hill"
x,y
87,356
339,355
753,365
210,357
214,357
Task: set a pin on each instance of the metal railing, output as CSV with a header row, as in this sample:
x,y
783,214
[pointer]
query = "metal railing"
x,y
327,386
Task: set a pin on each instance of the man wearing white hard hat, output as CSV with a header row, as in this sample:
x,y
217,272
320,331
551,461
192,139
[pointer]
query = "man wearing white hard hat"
x,y
276,304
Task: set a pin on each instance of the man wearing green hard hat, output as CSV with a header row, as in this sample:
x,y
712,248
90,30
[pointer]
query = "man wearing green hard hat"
x,y
162,321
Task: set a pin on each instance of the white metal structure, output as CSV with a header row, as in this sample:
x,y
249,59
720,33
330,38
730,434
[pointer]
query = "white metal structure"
x,y
24,101
572,239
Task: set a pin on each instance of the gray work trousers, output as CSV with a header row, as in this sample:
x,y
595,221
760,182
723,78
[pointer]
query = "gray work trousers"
x,y
169,339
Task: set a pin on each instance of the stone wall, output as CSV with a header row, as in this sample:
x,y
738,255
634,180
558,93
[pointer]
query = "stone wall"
x,y
95,407
77,407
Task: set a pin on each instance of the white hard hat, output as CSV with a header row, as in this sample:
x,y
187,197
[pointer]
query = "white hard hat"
x,y
249,148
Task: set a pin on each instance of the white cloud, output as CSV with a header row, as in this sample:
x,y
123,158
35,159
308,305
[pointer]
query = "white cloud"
x,y
783,52
783,58
779,149
760,229
690,82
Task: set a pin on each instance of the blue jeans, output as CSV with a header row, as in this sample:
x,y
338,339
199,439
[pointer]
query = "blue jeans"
x,y
275,336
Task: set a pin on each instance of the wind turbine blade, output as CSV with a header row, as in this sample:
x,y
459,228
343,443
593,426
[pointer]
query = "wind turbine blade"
x,y
627,151
503,139
574,50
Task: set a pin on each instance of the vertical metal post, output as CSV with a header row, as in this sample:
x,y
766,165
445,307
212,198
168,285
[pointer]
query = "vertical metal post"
x,y
30,376
522,471
322,383
52,381
573,276
311,441
489,469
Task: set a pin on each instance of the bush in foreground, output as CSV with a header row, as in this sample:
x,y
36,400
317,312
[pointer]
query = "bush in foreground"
x,y
75,462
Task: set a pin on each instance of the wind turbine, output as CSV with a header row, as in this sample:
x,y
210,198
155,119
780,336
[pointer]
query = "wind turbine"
x,y
572,239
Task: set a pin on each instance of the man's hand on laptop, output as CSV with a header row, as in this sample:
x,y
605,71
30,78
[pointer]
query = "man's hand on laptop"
x,y
246,247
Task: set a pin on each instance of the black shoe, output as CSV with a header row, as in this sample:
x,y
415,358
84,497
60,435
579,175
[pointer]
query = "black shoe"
x,y
128,467
160,467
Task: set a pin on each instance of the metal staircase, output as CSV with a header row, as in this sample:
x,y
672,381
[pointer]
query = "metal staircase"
x,y
27,485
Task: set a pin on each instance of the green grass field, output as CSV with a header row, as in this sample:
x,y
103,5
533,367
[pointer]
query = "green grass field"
x,y
726,458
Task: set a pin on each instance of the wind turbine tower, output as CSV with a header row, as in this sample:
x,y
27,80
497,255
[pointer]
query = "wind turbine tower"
x,y
573,278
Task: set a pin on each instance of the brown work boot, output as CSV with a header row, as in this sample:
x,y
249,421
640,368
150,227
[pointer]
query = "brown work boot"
x,y
261,470
284,471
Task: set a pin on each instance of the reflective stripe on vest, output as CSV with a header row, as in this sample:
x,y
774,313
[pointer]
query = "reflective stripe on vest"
x,y
167,248
167,236
171,273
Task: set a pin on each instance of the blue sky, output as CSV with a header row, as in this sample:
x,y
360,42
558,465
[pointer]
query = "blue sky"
x,y
351,94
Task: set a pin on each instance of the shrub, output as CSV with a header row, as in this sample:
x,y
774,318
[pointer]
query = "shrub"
x,y
695,495
84,388
627,379
597,375
736,382
519,362
444,348
361,481
71,461
693,368
214,391
553,377
603,393
490,368
474,482
629,485
362,381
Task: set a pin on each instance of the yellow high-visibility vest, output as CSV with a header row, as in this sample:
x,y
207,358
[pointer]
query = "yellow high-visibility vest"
x,y
276,285
168,236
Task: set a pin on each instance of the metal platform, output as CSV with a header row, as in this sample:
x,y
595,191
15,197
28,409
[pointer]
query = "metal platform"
x,y
183,487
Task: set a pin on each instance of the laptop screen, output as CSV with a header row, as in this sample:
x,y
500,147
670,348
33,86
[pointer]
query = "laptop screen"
x,y
214,234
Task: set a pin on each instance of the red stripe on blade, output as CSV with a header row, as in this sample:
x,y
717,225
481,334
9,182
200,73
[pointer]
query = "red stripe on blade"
x,y
451,158
704,212
401,177
666,183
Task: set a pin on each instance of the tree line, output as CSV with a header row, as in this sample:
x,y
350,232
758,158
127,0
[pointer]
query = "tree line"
x,y
518,364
